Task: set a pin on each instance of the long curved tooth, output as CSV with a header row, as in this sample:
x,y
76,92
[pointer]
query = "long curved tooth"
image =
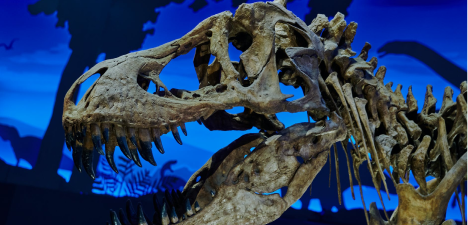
x,y
87,155
96,137
197,206
175,198
76,154
83,130
141,216
110,149
176,135
168,199
69,137
105,131
122,217
157,140
174,218
199,121
188,208
156,203
145,143
133,152
164,216
130,210
114,219
122,140
132,136
184,130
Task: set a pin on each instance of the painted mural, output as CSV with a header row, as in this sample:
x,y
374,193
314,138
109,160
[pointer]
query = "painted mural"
x,y
46,45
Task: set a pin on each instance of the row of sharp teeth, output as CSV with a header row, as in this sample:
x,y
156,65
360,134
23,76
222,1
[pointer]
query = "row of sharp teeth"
x,y
87,138
171,210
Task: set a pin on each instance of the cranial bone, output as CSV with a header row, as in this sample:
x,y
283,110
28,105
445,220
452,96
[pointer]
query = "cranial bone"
x,y
340,93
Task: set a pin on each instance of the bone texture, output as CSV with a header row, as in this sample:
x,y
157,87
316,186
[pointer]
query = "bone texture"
x,y
345,94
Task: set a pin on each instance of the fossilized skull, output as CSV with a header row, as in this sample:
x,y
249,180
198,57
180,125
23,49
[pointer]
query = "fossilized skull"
x,y
118,110
341,93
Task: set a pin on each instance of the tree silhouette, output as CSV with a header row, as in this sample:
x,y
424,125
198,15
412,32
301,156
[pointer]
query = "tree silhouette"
x,y
113,27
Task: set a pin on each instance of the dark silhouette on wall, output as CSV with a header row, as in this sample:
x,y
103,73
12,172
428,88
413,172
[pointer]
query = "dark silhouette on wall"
x,y
329,8
26,148
111,27
10,46
199,4
448,70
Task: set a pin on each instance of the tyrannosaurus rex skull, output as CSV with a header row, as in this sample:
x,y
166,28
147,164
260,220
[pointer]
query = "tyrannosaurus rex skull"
x,y
118,110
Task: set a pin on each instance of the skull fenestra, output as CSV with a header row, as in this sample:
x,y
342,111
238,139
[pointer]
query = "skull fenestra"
x,y
277,47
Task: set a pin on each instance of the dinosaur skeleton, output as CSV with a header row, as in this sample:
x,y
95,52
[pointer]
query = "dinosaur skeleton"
x,y
341,93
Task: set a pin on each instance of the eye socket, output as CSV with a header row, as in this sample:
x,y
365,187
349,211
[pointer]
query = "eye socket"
x,y
242,41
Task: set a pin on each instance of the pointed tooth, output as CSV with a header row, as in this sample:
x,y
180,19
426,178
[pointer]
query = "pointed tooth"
x,y
188,208
199,121
87,156
184,130
175,198
176,135
197,206
164,216
133,152
174,218
96,136
83,130
145,143
141,216
131,133
156,203
69,137
76,154
122,140
130,210
168,196
110,149
123,218
157,140
105,131
181,198
114,219
78,134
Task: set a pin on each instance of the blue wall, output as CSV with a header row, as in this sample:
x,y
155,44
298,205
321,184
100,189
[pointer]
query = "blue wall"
x,y
31,69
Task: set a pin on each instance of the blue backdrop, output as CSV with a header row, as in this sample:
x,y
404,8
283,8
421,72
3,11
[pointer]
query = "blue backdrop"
x,y
419,41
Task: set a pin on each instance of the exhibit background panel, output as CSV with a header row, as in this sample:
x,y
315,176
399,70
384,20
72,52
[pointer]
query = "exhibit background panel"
x,y
45,45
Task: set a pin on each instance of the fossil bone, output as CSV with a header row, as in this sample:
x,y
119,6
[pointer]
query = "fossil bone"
x,y
340,93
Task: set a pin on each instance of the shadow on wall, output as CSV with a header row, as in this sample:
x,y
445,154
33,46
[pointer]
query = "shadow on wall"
x,y
110,27
26,148
446,69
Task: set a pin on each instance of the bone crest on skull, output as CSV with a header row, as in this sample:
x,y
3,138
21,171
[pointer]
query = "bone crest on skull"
x,y
341,94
